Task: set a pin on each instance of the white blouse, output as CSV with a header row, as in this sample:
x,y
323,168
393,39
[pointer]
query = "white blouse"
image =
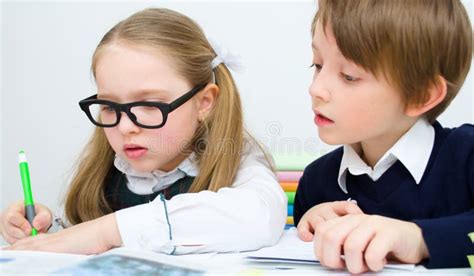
x,y
246,216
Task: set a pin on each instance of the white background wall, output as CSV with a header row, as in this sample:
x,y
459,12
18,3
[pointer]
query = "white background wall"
x,y
46,50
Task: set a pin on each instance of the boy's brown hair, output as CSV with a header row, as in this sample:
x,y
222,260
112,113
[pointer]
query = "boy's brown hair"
x,y
410,42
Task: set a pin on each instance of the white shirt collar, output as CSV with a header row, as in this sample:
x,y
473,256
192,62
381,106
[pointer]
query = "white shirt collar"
x,y
418,139
143,183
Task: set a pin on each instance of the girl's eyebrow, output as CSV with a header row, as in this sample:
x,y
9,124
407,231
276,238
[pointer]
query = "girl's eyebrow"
x,y
138,94
151,92
314,46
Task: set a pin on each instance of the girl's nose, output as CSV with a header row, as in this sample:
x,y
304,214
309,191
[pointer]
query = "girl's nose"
x,y
126,125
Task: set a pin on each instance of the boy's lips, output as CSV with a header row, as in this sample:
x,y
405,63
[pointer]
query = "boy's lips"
x,y
320,120
133,151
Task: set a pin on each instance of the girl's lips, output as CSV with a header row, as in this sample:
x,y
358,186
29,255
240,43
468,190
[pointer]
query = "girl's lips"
x,y
134,151
322,121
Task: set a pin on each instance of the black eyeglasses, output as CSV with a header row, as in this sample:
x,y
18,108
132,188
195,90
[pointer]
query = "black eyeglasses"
x,y
103,113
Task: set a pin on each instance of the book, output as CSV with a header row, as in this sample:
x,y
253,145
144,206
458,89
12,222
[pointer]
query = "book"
x,y
289,176
289,186
296,162
291,250
13,262
291,197
118,263
470,258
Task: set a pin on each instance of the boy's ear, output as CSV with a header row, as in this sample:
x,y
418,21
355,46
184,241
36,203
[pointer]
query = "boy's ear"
x,y
206,100
436,94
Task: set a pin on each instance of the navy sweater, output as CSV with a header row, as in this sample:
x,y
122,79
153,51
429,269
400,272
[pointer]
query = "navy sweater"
x,y
442,204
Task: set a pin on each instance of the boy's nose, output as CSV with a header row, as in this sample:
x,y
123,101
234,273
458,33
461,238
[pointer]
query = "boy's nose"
x,y
319,89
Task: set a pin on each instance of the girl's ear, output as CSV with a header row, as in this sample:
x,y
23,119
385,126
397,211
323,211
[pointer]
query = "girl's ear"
x,y
206,99
436,94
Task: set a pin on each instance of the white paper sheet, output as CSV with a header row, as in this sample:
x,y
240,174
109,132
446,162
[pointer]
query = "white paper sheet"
x,y
35,262
291,249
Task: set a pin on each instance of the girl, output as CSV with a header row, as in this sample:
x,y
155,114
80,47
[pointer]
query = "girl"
x,y
169,167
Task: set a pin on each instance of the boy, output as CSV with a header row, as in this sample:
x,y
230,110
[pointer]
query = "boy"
x,y
384,71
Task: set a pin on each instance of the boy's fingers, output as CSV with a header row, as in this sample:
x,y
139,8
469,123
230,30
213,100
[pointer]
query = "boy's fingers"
x,y
342,208
356,245
377,251
334,236
329,213
319,233
304,231
353,209
315,221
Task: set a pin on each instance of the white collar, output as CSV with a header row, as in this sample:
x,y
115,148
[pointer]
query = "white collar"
x,y
419,139
143,183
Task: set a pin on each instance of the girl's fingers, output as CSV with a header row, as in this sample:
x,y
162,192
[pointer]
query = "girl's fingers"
x,y
42,221
16,220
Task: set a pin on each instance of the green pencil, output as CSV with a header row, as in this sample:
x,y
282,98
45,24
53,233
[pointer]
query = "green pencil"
x,y
25,181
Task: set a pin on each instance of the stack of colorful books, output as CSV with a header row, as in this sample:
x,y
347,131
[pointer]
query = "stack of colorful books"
x,y
289,182
289,171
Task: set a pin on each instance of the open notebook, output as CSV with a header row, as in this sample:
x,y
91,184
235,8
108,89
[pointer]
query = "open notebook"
x,y
118,261
291,250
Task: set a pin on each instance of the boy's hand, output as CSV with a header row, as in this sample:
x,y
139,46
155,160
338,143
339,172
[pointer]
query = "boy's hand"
x,y
14,226
90,237
367,241
323,212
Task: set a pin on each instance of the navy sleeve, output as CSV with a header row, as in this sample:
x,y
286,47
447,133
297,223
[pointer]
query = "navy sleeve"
x,y
300,205
447,240
447,236
318,184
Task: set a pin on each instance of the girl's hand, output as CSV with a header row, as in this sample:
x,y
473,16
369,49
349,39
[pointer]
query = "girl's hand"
x,y
14,226
323,212
89,237
367,241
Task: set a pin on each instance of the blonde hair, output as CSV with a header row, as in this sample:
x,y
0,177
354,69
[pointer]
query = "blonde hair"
x,y
410,42
218,141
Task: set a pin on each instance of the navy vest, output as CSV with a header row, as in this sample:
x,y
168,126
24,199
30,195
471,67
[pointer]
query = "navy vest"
x,y
118,195
442,204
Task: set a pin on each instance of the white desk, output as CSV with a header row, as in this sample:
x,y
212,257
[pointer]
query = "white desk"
x,y
214,264
230,263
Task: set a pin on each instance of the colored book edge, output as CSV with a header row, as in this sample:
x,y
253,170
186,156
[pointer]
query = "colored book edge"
x,y
289,210
470,258
292,163
291,197
289,186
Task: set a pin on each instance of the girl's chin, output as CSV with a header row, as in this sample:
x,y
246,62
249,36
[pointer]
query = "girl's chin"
x,y
143,168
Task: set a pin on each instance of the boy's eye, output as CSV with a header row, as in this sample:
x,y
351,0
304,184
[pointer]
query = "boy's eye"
x,y
349,78
318,67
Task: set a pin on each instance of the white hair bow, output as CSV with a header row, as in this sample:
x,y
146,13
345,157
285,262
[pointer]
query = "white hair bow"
x,y
223,55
